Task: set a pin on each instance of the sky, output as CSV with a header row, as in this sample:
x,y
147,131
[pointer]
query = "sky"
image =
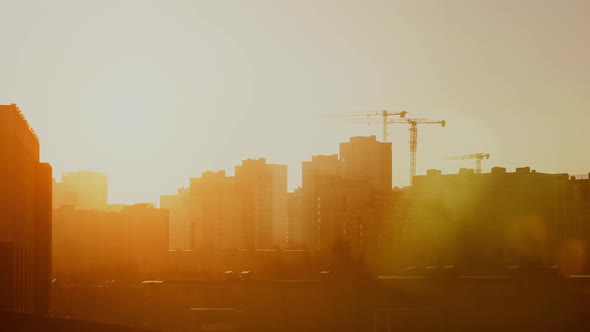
x,y
156,92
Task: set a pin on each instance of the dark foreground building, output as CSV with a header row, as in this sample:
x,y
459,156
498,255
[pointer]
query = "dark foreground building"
x,y
19,322
25,217
520,299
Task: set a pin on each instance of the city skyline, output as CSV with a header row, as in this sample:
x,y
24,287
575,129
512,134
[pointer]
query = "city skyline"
x,y
467,164
231,81
295,165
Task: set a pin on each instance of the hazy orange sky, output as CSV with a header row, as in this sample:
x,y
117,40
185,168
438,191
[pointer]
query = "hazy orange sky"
x,y
155,92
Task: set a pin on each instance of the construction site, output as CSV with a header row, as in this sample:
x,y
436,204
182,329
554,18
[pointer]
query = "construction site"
x,y
479,222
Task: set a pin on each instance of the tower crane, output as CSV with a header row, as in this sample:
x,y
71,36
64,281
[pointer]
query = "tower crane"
x,y
413,122
414,139
384,114
478,158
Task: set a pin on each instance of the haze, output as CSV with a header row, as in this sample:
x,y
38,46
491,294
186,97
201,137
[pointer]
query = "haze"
x,y
155,92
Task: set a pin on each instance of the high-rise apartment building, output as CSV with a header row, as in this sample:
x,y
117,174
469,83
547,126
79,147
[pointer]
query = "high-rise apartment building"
x,y
215,211
317,173
295,219
246,211
97,245
344,196
85,190
366,159
180,224
25,217
488,220
147,230
263,194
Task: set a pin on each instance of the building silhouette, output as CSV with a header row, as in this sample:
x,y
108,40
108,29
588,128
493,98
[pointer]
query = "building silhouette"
x,y
345,197
368,160
85,190
295,219
181,232
95,245
315,174
485,221
148,238
263,194
215,207
25,217
247,210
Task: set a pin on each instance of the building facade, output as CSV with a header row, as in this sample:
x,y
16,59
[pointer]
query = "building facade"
x,y
85,190
481,221
317,173
366,159
94,246
295,219
180,225
244,211
215,207
263,196
25,217
345,198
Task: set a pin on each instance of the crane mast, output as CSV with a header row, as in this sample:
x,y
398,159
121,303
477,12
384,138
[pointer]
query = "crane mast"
x,y
413,149
384,125
414,139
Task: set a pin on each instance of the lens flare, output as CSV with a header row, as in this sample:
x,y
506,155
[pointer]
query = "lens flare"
x,y
528,236
572,257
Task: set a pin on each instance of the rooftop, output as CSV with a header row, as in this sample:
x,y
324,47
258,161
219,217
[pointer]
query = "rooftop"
x,y
20,114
